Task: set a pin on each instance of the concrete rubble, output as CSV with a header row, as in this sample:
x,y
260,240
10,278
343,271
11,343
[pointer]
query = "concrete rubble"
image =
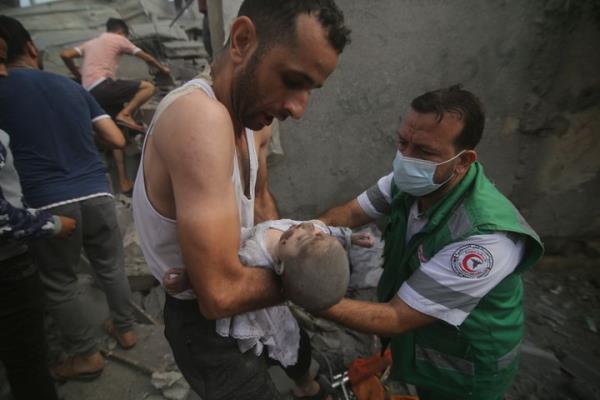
x,y
172,385
61,24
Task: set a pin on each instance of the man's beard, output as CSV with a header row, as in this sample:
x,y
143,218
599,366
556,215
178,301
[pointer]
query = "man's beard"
x,y
245,92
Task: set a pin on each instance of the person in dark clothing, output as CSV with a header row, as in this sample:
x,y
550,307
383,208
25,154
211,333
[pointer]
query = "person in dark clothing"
x,y
22,341
52,122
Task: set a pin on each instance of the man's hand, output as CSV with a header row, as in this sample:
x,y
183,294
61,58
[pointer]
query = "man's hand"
x,y
349,214
164,70
175,281
68,226
362,239
68,56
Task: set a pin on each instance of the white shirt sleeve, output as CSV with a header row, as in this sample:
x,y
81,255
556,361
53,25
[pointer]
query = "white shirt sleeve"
x,y
451,284
376,200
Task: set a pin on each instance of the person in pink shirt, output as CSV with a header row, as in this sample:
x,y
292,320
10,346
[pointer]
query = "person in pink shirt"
x,y
120,98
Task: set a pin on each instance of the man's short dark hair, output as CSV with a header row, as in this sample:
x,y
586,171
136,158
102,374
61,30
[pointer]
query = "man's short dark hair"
x,y
275,20
16,38
116,25
455,99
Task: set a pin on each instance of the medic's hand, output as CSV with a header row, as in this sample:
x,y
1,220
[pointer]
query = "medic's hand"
x,y
362,239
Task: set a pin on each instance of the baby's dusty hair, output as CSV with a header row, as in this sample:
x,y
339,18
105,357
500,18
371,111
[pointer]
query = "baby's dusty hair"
x,y
317,277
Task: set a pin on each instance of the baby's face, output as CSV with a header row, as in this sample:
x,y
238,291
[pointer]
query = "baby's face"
x,y
297,236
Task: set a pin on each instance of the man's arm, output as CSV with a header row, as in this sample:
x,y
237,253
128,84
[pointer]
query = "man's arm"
x,y
350,215
152,61
443,288
29,224
371,204
68,57
109,132
383,319
197,150
265,207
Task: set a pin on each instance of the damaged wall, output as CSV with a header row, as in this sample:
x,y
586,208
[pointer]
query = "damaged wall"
x,y
534,65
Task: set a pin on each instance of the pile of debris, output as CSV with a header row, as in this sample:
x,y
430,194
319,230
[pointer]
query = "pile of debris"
x,y
63,24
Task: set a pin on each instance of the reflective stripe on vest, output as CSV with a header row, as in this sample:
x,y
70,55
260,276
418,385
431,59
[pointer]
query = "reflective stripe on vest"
x,y
444,361
507,359
466,367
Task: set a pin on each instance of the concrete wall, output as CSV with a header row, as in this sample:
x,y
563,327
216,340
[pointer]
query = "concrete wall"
x,y
534,64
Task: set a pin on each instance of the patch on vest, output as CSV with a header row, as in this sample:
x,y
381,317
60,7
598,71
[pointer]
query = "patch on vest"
x,y
472,261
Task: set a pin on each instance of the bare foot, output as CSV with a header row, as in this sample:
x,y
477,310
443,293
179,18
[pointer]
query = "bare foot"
x,y
128,121
79,368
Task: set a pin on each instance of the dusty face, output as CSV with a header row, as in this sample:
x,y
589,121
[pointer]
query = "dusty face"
x,y
277,83
296,237
422,136
3,50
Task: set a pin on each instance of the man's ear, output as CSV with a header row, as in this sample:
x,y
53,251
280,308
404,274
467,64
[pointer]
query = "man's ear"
x,y
32,51
465,160
243,39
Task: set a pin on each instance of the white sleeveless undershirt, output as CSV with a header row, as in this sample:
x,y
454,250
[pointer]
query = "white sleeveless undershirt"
x,y
157,233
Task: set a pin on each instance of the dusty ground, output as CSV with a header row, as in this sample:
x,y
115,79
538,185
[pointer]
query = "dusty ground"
x,y
561,356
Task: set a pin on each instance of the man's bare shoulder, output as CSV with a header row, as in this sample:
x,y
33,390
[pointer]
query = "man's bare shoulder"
x,y
195,109
194,123
194,140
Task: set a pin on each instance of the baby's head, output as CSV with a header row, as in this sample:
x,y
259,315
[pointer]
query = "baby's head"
x,y
315,267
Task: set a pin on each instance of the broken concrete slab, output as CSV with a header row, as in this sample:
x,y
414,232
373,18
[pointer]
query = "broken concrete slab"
x,y
58,25
63,16
185,49
159,30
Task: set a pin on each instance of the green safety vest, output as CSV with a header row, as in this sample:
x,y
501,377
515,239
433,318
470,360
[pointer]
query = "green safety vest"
x,y
478,359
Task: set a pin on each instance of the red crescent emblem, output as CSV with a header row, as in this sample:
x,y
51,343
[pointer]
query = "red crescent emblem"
x,y
468,257
472,261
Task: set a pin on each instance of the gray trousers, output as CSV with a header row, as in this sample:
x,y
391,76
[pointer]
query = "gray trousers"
x,y
98,234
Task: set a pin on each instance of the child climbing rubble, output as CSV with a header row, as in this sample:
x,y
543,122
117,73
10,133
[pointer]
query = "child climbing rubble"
x,y
313,264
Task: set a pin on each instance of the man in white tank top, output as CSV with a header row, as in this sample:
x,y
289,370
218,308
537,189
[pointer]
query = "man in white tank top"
x,y
195,187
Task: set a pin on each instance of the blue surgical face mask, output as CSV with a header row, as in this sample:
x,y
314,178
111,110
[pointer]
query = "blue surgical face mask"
x,y
415,176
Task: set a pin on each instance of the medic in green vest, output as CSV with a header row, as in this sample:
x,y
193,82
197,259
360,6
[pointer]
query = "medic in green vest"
x,y
467,346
